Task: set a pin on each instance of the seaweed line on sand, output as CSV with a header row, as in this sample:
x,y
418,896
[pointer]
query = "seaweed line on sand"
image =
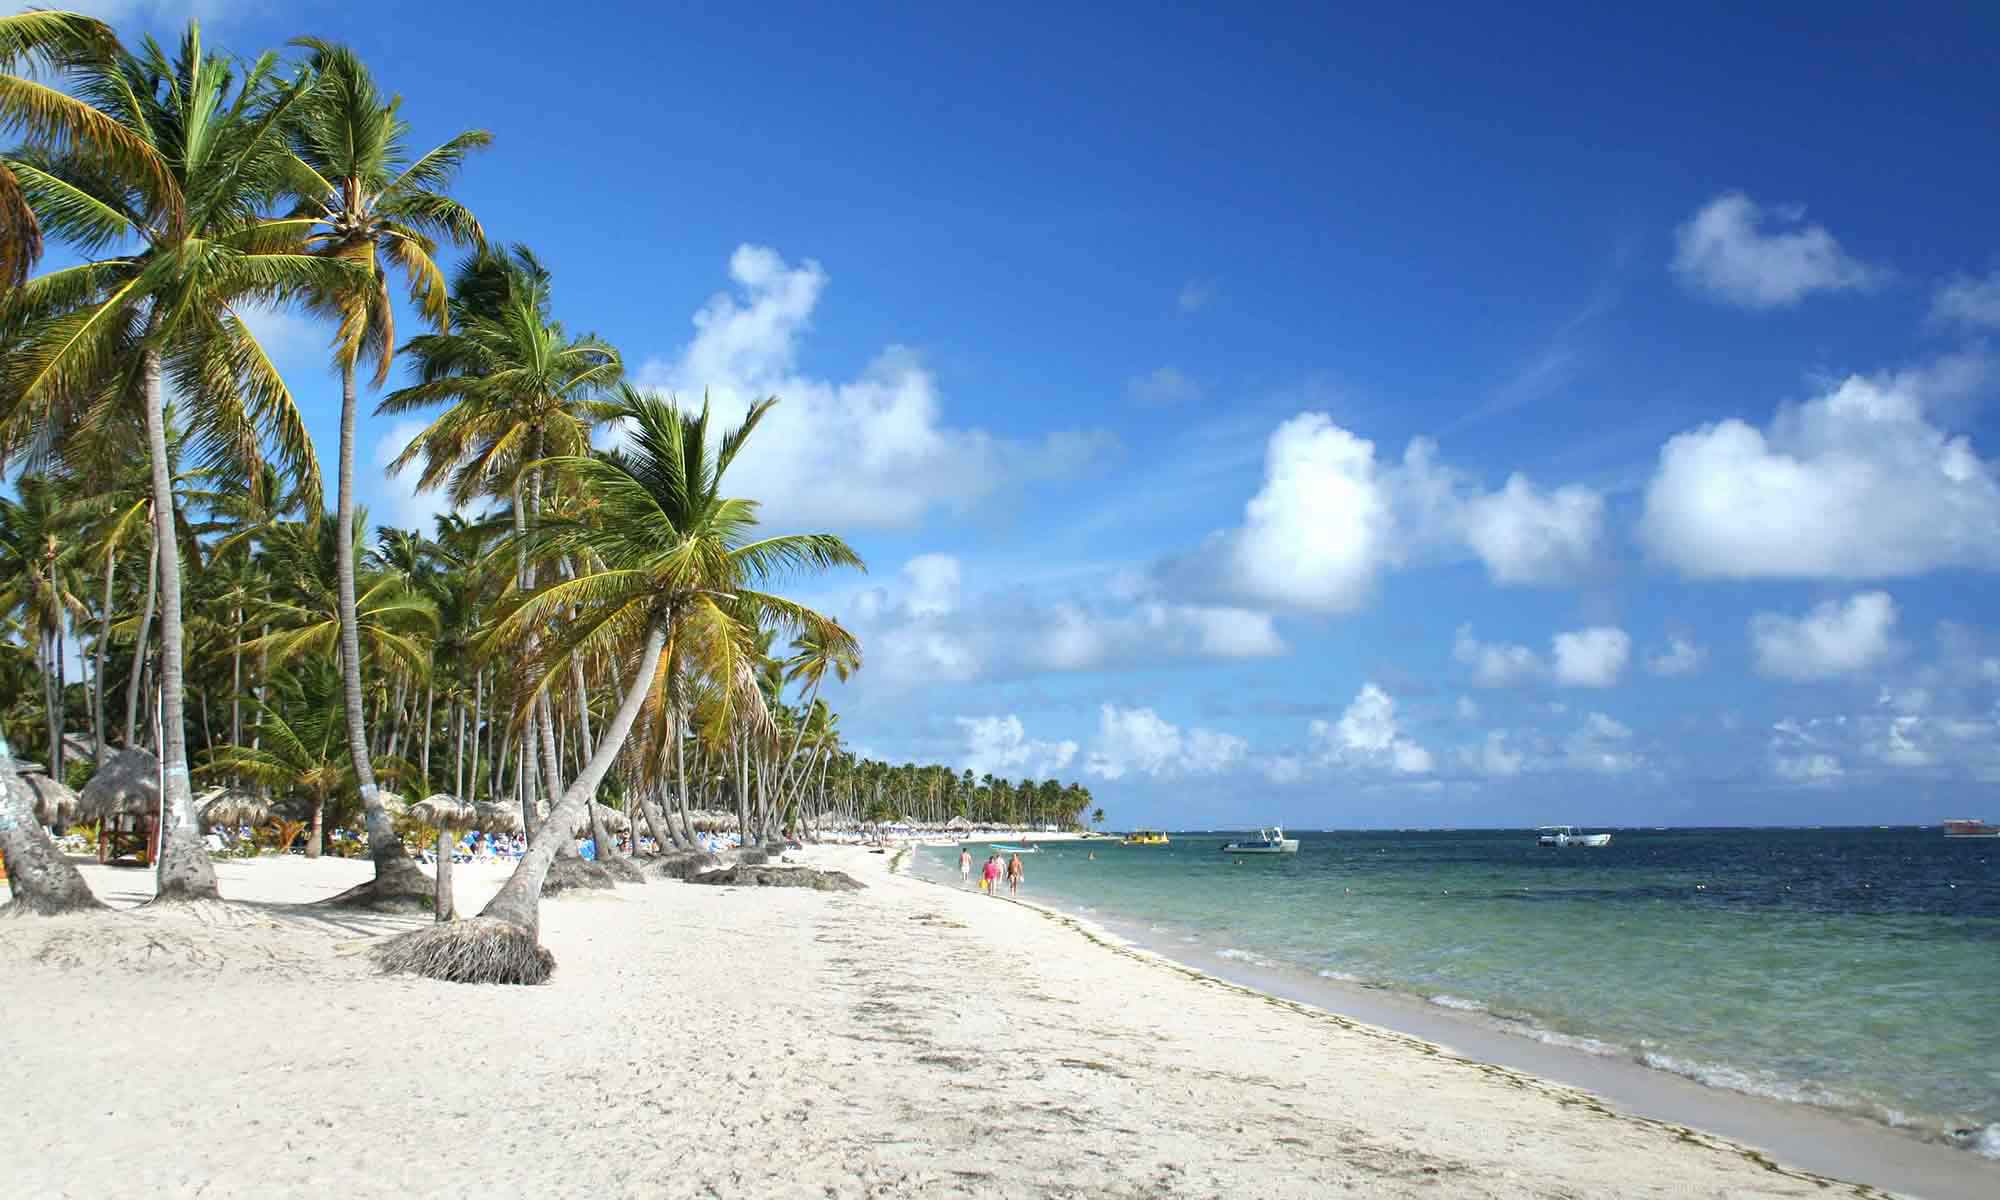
x,y
1563,1094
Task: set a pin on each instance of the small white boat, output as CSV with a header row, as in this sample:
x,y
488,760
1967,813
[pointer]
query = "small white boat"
x,y
1568,835
1015,849
1267,841
1966,827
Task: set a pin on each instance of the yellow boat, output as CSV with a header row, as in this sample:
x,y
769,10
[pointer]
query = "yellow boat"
x,y
1146,837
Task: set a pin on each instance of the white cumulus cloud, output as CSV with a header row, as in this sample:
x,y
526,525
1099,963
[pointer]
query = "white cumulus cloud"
x,y
1001,746
1736,252
1835,638
1331,517
1681,657
1855,484
1592,658
1140,741
1367,735
875,450
404,506
1528,536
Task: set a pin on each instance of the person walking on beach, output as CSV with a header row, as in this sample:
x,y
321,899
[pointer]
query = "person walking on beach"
x,y
1014,873
964,863
989,881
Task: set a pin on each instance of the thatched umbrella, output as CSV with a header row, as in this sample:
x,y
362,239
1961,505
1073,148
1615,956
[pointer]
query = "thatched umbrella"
x,y
127,783
231,808
446,814
614,821
498,818
54,804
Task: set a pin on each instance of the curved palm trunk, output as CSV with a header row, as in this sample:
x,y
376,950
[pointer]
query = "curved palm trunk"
x,y
315,842
605,848
135,686
41,880
185,871
398,881
518,901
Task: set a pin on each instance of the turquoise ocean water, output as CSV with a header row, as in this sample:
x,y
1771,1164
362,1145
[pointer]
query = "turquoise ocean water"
x,y
1857,970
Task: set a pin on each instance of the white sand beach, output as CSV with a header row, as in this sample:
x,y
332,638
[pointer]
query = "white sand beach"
x,y
906,1040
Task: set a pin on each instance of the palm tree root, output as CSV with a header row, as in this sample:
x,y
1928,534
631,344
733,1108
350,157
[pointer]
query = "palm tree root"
x,y
399,886
481,950
622,869
573,873
684,864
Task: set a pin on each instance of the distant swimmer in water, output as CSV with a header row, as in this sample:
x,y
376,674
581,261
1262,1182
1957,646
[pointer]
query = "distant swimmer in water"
x,y
1093,856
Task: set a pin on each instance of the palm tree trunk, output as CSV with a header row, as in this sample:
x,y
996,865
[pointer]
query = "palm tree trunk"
x,y
458,749
445,908
681,780
40,879
397,881
478,697
185,871
424,747
597,834
47,652
236,684
99,733
519,899
145,635
314,844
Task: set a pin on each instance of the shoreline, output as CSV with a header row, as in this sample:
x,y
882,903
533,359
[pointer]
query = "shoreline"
x,y
909,1039
1839,1147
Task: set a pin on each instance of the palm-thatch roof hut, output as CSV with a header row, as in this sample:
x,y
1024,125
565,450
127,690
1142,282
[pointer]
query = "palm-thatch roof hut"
x,y
54,804
443,811
493,817
712,820
614,821
128,784
123,797
231,807
958,824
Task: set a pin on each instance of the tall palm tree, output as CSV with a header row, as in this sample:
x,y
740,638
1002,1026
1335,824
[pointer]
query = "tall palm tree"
x,y
40,556
374,206
194,245
55,42
670,558
518,389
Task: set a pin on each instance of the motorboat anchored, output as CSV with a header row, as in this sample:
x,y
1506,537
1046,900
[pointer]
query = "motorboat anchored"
x,y
1965,827
1569,835
1267,841
1145,837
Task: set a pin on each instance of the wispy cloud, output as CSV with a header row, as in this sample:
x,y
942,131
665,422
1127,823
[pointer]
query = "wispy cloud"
x,y
1195,295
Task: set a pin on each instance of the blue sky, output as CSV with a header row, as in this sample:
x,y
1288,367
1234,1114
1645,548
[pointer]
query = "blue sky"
x,y
1343,418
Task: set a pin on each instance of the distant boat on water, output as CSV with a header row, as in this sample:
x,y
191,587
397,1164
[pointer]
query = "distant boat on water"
x,y
1966,827
1015,849
1267,841
1569,835
1145,837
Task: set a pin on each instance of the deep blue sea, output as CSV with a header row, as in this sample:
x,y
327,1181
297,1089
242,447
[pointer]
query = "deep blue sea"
x,y
1855,969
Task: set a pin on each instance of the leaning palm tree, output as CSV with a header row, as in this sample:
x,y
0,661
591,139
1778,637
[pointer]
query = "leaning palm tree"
x,y
670,561
40,879
40,556
192,246
374,206
54,43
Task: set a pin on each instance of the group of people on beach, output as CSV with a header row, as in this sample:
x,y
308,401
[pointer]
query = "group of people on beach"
x,y
990,874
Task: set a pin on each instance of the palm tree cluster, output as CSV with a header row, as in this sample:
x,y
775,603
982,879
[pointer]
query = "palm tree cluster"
x,y
587,624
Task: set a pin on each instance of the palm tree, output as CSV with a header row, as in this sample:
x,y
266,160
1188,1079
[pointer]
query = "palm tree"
x,y
56,42
374,206
39,559
40,879
110,329
518,389
304,752
670,560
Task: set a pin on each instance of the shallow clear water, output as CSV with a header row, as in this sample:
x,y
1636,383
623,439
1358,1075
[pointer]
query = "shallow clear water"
x,y
1854,969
